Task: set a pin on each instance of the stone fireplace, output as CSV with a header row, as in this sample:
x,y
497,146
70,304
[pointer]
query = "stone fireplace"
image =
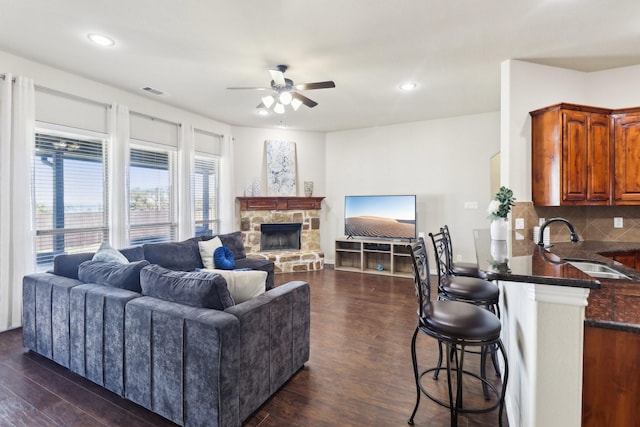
x,y
285,213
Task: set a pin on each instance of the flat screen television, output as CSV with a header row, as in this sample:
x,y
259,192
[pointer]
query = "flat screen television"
x,y
388,217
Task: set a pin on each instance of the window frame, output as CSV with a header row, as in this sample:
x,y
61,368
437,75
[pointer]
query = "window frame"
x,y
215,222
44,260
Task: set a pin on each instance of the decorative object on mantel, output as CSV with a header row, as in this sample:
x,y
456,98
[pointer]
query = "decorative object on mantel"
x,y
257,187
308,188
498,210
281,168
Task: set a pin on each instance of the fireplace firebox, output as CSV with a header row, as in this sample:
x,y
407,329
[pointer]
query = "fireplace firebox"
x,y
280,236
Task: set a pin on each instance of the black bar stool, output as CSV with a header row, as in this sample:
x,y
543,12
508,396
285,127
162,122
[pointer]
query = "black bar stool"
x,y
458,325
472,290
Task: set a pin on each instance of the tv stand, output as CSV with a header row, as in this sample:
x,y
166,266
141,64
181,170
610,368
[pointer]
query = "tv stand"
x,y
385,257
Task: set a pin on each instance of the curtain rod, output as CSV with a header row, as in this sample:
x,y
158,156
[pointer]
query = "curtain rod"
x,y
150,117
206,132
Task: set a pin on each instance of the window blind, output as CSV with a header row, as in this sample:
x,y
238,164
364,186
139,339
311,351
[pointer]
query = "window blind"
x,y
151,195
204,188
70,194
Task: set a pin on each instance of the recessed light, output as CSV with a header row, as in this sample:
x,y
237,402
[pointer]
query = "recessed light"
x,y
408,86
101,39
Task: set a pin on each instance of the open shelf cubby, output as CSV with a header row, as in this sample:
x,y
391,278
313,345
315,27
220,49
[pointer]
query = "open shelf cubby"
x,y
373,257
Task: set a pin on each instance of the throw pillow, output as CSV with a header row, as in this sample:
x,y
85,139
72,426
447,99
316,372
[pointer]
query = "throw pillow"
x,y
234,242
243,284
114,274
223,258
182,256
194,288
106,253
207,248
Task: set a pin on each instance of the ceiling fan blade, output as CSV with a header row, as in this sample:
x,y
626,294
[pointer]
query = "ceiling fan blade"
x,y
249,88
278,77
317,85
306,101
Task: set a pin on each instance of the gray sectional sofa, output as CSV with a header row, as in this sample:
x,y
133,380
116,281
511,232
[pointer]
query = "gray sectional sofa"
x,y
193,365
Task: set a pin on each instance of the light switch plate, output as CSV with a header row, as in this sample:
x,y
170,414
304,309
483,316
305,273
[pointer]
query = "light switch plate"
x,y
617,222
519,223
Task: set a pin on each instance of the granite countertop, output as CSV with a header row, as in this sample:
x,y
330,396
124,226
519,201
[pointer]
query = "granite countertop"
x,y
610,300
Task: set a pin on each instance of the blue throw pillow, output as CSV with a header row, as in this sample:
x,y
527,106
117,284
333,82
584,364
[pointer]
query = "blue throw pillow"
x,y
223,258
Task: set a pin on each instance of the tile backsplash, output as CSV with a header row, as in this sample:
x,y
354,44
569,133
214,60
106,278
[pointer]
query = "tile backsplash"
x,y
590,222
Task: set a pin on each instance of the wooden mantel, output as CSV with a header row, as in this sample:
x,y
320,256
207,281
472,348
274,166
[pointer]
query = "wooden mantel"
x,y
279,203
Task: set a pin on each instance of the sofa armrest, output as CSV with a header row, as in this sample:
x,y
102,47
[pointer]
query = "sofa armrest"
x,y
45,315
182,361
274,344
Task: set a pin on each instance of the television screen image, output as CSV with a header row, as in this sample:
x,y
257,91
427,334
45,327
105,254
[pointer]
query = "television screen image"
x,y
390,217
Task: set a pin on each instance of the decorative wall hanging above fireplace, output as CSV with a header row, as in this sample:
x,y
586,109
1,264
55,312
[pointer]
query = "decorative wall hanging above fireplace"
x,y
281,168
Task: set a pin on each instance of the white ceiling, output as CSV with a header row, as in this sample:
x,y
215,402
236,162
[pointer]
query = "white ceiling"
x,y
194,49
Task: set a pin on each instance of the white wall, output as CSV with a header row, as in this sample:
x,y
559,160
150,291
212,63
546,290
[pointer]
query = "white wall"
x,y
68,83
445,162
250,161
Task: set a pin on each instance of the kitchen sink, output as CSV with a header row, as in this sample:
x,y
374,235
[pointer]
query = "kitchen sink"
x,y
597,270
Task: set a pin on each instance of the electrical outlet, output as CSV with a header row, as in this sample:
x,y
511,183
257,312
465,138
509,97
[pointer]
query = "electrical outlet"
x,y
541,221
617,222
519,223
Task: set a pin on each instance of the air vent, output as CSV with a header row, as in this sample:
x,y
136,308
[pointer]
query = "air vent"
x,y
153,91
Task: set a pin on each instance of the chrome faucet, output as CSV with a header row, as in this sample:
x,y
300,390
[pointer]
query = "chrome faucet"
x,y
574,235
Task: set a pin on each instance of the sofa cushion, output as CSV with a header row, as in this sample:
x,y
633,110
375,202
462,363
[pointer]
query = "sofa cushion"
x,y
234,242
107,254
243,284
66,265
124,276
194,288
223,258
207,248
181,256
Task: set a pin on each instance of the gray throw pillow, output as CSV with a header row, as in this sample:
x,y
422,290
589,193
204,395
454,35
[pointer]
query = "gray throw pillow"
x,y
234,242
194,288
124,276
183,256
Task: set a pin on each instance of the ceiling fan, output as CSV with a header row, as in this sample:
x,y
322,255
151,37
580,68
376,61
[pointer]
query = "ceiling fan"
x,y
286,92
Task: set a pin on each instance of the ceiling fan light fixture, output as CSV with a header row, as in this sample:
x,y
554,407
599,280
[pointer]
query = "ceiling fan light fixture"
x,y
285,98
279,108
268,100
295,104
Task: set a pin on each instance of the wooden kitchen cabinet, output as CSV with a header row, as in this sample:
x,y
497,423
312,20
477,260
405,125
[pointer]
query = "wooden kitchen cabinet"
x,y
571,153
626,127
628,258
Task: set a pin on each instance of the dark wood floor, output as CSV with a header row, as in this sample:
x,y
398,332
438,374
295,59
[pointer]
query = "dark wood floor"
x,y
359,372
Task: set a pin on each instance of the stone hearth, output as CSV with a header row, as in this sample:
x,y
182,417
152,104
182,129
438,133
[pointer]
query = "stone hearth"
x,y
255,211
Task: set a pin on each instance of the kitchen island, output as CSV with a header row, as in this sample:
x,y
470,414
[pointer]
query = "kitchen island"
x,y
546,304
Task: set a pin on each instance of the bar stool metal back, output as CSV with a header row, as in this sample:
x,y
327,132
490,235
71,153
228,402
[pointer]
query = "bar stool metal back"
x,y
459,268
457,325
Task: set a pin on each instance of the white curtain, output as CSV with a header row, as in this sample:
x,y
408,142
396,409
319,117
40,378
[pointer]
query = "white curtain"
x,y
227,199
185,171
17,253
119,175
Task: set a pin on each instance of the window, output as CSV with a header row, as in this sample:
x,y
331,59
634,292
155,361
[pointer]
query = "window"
x,y
70,193
151,195
205,195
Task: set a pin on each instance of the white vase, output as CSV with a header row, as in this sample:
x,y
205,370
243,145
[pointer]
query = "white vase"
x,y
499,229
308,188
